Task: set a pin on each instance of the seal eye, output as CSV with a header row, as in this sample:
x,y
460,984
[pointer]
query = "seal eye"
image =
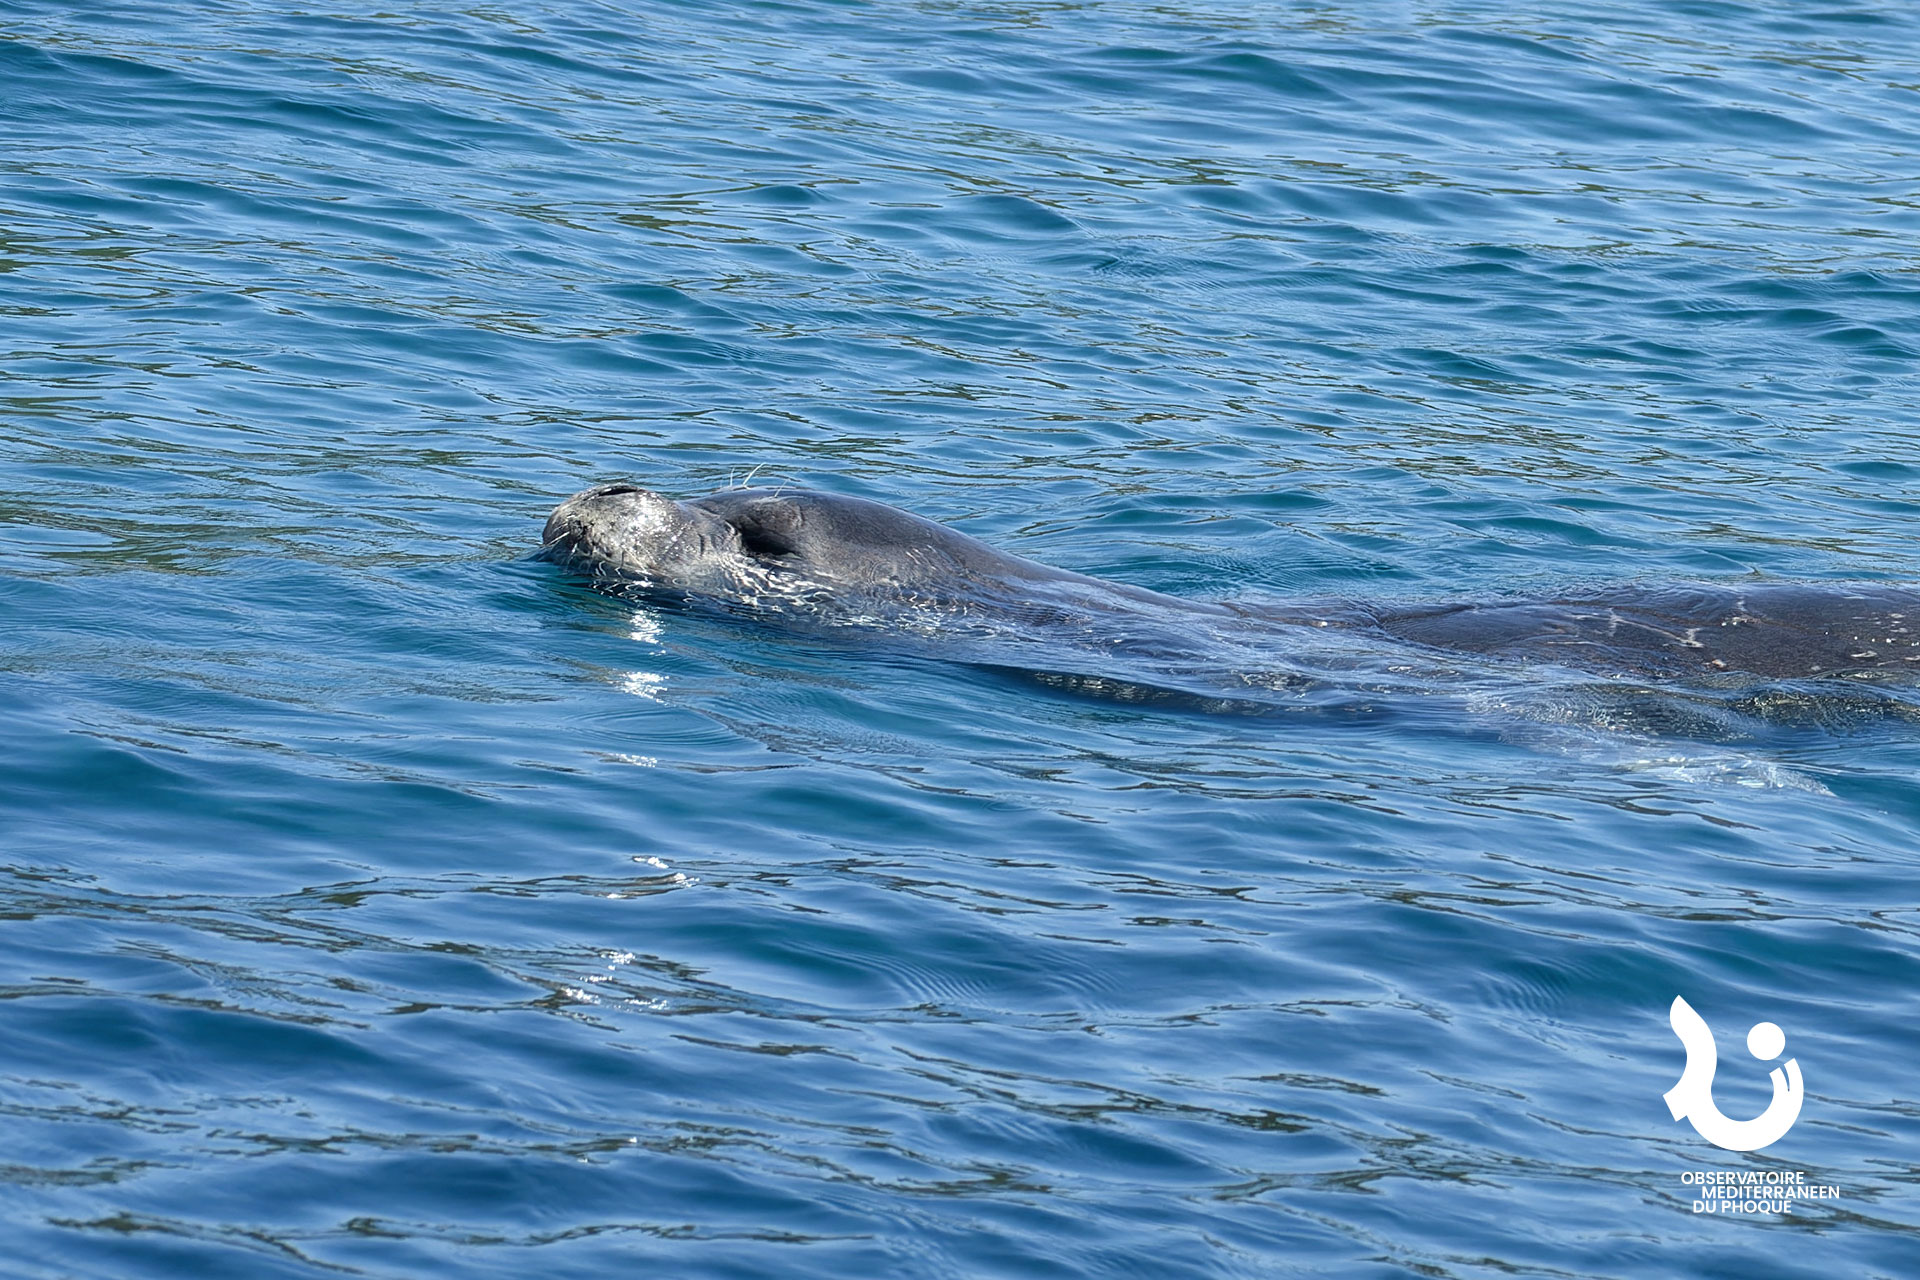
x,y
762,541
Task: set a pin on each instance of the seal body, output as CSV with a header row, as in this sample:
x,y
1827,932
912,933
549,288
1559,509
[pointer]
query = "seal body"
x,y
851,558
1772,630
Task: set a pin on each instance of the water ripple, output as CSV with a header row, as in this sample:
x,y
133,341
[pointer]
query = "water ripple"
x,y
377,902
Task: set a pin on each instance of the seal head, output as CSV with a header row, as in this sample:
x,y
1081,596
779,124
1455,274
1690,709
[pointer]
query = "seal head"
x,y
625,533
756,546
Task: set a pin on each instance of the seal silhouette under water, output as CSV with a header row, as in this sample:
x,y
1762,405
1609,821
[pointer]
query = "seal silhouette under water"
x,y
827,557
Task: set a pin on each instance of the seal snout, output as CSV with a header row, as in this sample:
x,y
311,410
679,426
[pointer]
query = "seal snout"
x,y
585,526
557,539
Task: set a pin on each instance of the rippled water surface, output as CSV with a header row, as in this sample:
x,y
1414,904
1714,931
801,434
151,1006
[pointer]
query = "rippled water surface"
x,y
379,902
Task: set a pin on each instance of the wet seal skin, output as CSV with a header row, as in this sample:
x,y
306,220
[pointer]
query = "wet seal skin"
x,y
797,550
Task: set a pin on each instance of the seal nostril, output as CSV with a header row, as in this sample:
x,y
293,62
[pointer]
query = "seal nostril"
x,y
611,490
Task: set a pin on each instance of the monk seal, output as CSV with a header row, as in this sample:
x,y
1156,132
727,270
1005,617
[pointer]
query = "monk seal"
x,y
773,548
823,555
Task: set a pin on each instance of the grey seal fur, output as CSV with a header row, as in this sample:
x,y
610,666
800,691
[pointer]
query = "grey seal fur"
x,y
770,547
765,550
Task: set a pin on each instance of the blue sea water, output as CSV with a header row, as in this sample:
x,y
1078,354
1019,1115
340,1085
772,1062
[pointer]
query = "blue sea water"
x,y
379,902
